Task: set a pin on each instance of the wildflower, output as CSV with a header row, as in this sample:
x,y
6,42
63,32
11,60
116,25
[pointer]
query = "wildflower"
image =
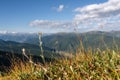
x,y
23,51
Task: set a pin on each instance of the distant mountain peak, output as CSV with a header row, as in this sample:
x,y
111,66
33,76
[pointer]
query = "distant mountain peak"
x,y
3,32
7,32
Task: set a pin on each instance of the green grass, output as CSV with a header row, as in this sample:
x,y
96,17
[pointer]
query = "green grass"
x,y
98,65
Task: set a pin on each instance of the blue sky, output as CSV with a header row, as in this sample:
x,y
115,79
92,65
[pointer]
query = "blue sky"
x,y
59,15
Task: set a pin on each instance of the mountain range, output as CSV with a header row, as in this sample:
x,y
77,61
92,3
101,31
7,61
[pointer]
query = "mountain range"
x,y
67,42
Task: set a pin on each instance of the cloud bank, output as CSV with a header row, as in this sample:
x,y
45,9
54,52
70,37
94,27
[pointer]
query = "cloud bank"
x,y
107,9
55,26
100,15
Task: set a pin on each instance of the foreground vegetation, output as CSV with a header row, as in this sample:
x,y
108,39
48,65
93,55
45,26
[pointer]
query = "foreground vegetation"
x,y
97,65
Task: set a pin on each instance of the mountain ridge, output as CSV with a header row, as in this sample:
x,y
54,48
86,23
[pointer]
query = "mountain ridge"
x,y
70,41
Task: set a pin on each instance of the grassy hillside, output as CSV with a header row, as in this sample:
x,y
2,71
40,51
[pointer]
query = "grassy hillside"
x,y
100,65
31,49
69,42
101,40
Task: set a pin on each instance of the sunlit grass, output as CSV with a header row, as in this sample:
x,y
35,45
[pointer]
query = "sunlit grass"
x,y
98,65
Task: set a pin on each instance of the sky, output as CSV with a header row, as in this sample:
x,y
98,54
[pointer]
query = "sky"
x,y
51,16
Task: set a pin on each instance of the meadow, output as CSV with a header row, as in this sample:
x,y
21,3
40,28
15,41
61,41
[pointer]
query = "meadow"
x,y
97,65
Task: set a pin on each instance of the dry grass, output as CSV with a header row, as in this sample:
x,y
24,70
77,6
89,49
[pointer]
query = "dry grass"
x,y
98,65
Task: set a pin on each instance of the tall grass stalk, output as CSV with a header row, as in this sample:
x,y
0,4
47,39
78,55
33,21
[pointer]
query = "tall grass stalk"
x,y
41,48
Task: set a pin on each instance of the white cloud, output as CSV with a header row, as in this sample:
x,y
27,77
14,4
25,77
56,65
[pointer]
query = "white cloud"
x,y
55,26
60,8
49,23
105,14
110,8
